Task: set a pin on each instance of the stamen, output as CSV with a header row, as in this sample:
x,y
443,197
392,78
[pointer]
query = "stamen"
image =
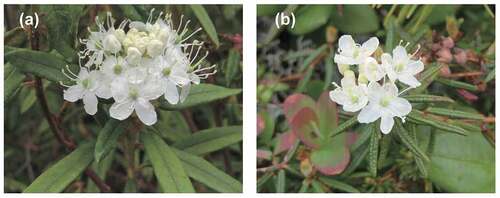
x,y
180,23
408,88
62,84
196,31
336,85
199,61
416,51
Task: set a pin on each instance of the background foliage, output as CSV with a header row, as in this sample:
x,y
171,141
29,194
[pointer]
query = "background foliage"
x,y
447,143
194,146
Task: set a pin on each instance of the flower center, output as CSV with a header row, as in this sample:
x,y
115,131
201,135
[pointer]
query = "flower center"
x,y
134,94
86,83
117,69
354,97
384,102
356,53
167,71
399,67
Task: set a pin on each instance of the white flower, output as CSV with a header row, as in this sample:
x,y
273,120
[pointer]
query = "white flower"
x,y
129,97
86,88
154,48
401,67
384,103
170,76
351,53
371,69
352,97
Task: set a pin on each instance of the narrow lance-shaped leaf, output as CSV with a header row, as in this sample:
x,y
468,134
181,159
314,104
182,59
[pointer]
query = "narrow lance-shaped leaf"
x,y
13,80
408,141
423,98
203,171
280,181
418,118
39,63
58,176
455,113
206,23
167,167
336,184
106,139
210,140
373,151
426,78
201,94
345,125
457,84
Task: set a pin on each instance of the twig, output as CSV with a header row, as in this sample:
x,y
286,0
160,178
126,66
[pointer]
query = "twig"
x,y
189,119
59,133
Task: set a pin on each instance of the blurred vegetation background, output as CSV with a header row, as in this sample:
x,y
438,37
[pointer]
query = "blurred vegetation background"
x,y
457,39
30,147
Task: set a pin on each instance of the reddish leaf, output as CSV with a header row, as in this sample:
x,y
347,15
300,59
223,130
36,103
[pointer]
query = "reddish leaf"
x,y
302,125
260,124
285,141
264,154
351,138
331,159
295,103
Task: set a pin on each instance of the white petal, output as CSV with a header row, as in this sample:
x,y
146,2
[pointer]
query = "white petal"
x,y
353,107
339,96
145,111
369,113
415,67
122,110
386,124
171,93
119,89
90,103
104,92
340,59
194,78
346,44
73,93
399,53
370,46
409,80
390,89
185,92
399,107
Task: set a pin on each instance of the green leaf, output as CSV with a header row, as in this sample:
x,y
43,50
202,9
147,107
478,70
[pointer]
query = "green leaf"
x,y
131,12
310,18
166,165
331,160
15,37
280,181
201,94
62,25
336,184
463,164
373,151
316,186
409,141
313,56
38,63
263,180
455,113
418,118
206,23
12,80
58,176
107,137
232,66
203,171
269,10
424,98
210,140
457,84
345,125
354,15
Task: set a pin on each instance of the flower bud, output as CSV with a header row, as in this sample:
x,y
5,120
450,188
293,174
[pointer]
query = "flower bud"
x,y
343,68
362,79
154,48
133,56
111,43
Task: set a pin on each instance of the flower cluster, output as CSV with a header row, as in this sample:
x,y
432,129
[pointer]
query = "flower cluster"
x,y
136,65
371,93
